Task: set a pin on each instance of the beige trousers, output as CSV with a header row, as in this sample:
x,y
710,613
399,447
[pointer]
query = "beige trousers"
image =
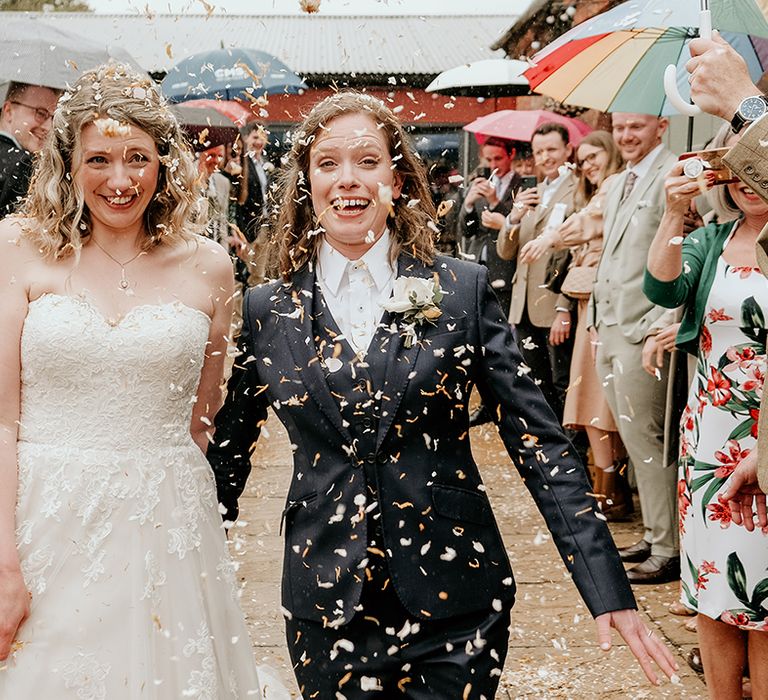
x,y
638,403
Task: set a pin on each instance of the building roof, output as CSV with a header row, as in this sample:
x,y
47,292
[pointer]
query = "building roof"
x,y
312,45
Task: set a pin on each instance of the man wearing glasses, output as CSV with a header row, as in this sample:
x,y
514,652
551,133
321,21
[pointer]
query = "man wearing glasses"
x,y
25,121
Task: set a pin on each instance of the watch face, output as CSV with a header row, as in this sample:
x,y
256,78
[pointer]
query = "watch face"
x,y
752,108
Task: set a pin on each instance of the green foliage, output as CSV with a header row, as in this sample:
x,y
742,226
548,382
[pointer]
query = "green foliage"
x,y
44,5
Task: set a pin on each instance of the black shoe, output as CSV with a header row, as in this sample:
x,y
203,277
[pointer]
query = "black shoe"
x,y
637,552
655,569
480,416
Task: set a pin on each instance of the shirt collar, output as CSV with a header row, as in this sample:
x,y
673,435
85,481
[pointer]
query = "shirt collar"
x,y
642,167
332,265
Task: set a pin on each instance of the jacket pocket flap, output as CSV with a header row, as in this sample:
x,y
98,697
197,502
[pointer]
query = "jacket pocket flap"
x,y
460,504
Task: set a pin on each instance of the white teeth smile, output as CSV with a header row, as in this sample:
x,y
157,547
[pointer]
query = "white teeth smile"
x,y
350,203
119,200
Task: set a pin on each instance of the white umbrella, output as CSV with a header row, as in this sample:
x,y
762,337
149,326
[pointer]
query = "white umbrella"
x,y
494,77
32,51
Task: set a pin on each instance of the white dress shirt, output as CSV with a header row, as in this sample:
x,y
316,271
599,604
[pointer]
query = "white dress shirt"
x,y
355,289
501,184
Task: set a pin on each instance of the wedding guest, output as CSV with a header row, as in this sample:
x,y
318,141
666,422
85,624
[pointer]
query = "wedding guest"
x,y
542,317
714,274
216,189
25,121
625,328
115,580
721,85
250,176
492,191
394,565
598,160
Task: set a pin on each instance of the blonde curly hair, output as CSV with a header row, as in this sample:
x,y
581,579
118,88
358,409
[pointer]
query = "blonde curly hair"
x,y
412,228
54,214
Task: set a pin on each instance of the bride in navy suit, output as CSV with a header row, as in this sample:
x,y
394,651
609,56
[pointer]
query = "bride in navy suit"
x,y
396,580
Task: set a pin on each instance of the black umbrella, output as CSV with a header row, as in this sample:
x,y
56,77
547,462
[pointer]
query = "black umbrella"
x,y
229,74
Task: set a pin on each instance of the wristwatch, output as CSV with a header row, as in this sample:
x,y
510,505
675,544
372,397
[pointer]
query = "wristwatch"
x,y
750,109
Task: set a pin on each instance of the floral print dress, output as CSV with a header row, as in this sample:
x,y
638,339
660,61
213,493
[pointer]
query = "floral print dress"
x,y
724,567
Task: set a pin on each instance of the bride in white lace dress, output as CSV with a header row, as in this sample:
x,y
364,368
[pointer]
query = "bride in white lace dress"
x,y
115,581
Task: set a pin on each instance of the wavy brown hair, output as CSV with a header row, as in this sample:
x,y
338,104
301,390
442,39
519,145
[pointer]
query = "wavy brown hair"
x,y
412,227
56,218
585,190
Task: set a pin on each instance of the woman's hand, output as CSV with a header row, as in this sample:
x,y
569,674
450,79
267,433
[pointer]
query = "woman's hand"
x,y
681,190
534,249
492,219
646,646
665,339
744,496
14,607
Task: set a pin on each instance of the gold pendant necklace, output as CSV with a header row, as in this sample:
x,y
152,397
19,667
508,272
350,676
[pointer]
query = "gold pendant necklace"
x,y
124,283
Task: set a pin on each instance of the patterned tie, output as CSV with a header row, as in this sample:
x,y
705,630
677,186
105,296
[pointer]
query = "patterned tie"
x,y
629,183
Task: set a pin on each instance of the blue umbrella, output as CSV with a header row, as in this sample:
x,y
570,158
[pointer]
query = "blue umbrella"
x,y
229,74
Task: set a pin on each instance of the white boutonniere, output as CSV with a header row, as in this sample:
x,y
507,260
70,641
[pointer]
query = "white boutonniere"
x,y
418,300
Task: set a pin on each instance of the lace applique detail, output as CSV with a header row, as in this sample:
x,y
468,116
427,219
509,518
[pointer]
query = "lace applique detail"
x,y
86,675
155,580
34,568
202,682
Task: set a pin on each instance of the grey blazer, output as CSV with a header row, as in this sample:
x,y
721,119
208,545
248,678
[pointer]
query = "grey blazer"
x,y
630,226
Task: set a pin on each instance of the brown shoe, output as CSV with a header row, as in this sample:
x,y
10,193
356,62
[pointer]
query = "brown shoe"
x,y
637,552
655,569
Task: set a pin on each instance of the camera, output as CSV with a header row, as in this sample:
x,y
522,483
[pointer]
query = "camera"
x,y
711,160
527,182
484,172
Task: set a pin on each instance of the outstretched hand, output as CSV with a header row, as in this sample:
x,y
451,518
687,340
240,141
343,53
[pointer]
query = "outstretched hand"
x,y
646,646
744,496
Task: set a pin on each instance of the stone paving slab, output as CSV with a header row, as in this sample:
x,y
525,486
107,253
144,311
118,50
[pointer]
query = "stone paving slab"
x,y
553,652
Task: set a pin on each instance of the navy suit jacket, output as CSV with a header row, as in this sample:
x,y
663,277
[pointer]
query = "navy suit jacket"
x,y
444,552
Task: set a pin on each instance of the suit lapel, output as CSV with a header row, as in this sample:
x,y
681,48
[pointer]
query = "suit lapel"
x,y
628,209
563,189
295,308
399,361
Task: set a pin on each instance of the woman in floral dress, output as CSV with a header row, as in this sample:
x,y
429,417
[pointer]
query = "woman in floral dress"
x,y
714,274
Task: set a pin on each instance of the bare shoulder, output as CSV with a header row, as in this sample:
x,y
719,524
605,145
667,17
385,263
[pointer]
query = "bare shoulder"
x,y
17,250
202,255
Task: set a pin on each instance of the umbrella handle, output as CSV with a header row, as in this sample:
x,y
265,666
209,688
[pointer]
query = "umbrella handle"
x,y
670,74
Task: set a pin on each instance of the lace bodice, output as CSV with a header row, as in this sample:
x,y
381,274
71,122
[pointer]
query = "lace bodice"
x,y
121,386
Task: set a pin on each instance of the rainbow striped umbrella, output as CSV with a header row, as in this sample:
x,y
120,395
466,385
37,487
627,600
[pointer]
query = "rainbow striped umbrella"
x,y
615,61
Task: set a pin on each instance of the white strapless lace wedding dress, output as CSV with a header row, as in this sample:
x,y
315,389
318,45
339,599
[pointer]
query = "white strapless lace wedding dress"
x,y
134,594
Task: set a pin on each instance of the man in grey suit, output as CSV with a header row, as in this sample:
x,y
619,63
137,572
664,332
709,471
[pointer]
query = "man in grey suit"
x,y
623,325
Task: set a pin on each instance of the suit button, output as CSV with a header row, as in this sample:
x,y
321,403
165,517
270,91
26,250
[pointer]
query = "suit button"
x,y
382,458
371,458
361,385
367,423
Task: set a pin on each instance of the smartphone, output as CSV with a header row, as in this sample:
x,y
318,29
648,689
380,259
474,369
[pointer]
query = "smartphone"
x,y
697,162
484,172
527,182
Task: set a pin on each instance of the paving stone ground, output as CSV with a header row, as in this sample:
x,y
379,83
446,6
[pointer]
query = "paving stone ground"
x,y
553,652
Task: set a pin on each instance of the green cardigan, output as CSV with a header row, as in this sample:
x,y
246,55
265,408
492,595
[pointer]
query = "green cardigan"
x,y
701,250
